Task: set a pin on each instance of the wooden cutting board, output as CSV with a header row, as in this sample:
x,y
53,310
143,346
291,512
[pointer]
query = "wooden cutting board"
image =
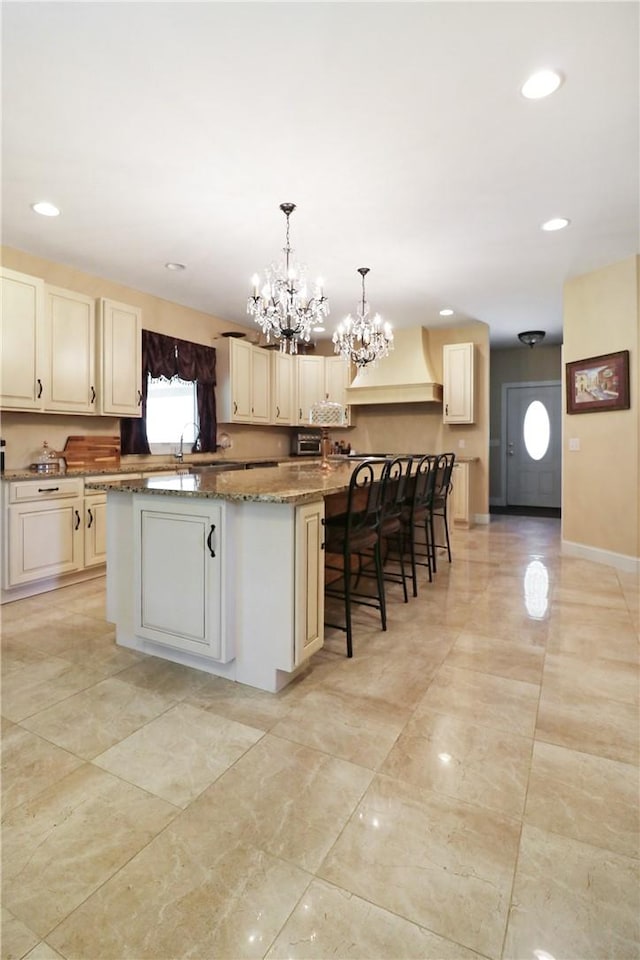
x,y
87,452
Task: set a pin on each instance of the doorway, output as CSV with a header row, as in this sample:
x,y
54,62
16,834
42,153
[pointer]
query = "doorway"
x,y
532,445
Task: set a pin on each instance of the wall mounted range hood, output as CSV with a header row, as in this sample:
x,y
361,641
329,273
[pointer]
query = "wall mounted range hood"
x,y
405,376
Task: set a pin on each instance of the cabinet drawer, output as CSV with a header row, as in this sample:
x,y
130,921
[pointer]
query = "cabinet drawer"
x,y
45,488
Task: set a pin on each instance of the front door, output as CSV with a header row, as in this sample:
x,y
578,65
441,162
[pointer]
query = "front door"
x,y
534,414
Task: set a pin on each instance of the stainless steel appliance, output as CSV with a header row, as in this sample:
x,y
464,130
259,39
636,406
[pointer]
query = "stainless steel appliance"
x,y
306,444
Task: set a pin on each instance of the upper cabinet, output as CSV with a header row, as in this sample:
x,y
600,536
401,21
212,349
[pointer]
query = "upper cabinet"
x,y
22,341
120,359
458,376
69,370
243,388
337,377
283,388
311,387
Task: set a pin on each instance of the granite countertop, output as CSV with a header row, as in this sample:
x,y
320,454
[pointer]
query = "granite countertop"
x,y
289,483
125,468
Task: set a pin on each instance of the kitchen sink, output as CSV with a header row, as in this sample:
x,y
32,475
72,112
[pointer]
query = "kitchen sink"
x,y
215,467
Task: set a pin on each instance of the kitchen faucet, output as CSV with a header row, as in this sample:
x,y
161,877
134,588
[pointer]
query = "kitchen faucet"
x,y
179,456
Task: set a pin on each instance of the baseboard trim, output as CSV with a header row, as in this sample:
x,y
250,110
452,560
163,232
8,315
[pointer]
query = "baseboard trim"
x,y
481,518
25,590
618,560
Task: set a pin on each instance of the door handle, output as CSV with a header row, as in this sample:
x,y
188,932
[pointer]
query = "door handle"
x,y
210,538
89,511
77,526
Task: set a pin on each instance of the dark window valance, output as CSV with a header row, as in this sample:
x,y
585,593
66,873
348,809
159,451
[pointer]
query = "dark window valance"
x,y
168,357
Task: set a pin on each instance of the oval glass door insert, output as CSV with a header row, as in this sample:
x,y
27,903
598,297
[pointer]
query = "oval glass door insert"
x,y
537,430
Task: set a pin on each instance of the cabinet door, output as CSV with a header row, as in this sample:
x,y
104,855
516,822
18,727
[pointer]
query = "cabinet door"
x,y
120,359
310,385
240,381
260,384
336,380
95,530
45,540
460,493
70,384
458,386
309,580
21,341
179,587
283,382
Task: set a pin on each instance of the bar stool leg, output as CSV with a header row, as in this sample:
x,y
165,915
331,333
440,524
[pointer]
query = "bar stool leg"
x,y
380,579
347,602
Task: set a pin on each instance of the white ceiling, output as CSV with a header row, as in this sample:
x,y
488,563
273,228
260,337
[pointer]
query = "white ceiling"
x,y
173,131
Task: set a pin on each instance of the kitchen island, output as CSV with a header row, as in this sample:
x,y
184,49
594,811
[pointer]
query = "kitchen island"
x,y
223,572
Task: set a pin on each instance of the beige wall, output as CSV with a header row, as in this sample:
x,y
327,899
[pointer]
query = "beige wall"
x,y
515,365
601,481
24,432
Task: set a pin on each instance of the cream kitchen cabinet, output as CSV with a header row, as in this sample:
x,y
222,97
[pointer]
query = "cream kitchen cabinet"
x,y
283,388
22,341
459,506
309,581
69,369
458,405
45,525
120,359
95,518
243,388
179,556
311,385
337,377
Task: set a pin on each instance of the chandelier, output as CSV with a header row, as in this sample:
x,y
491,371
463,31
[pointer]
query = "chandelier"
x,y
284,307
363,340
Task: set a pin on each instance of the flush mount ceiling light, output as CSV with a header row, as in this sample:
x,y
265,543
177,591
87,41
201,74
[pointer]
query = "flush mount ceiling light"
x,y
175,266
446,312
556,223
541,84
531,337
363,340
284,307
45,209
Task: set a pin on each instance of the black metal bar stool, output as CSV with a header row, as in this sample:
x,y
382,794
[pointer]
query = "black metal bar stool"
x,y
416,516
356,535
443,487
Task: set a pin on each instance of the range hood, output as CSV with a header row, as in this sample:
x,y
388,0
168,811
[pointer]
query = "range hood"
x,y
405,376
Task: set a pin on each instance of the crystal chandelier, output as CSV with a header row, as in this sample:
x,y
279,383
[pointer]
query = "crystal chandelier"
x,y
284,307
363,340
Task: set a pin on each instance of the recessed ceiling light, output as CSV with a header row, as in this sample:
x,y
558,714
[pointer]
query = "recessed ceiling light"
x,y
175,266
557,223
45,208
541,84
318,329
446,312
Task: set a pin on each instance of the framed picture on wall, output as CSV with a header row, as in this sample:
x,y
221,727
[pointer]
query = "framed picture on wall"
x,y
598,383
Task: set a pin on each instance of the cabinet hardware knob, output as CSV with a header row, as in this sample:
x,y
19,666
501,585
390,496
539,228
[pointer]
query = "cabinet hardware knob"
x,y
39,382
210,538
77,526
48,489
93,395
90,518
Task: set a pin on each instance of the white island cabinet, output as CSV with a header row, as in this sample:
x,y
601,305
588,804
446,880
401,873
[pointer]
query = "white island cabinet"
x,y
217,574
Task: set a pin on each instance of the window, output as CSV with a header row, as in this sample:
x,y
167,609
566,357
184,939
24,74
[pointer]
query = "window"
x,y
172,412
537,430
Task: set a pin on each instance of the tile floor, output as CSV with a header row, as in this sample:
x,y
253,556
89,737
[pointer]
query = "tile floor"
x,y
466,786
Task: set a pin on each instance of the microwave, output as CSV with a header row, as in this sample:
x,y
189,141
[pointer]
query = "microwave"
x,y
306,444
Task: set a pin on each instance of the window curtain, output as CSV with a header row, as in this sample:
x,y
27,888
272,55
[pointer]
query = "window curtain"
x,y
168,357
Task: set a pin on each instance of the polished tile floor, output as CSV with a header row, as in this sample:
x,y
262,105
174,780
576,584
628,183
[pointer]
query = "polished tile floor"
x,y
466,786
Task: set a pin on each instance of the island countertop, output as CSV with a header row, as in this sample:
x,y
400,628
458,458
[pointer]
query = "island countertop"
x,y
291,483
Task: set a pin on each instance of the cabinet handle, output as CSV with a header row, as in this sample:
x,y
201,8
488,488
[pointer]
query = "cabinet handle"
x,y
93,395
235,407
48,489
209,539
90,518
139,398
446,409
39,393
300,413
277,411
77,526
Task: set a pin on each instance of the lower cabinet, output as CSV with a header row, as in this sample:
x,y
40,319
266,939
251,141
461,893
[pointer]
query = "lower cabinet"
x,y
179,575
95,530
45,539
309,581
460,510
